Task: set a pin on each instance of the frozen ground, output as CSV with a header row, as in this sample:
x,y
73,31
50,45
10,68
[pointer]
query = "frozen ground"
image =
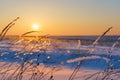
x,y
50,59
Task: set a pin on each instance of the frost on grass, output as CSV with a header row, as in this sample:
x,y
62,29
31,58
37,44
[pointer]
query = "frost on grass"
x,y
87,58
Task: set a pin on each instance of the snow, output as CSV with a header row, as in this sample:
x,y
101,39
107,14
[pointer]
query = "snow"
x,y
57,59
87,58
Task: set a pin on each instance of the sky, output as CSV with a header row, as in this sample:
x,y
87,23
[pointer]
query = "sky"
x,y
61,17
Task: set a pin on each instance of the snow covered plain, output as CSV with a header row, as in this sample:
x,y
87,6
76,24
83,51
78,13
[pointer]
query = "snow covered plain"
x,y
52,59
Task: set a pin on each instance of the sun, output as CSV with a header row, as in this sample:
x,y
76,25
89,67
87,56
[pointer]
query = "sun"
x,y
35,27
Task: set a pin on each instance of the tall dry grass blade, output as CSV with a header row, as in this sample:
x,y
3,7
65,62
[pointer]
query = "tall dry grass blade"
x,y
29,33
72,76
96,41
115,43
4,31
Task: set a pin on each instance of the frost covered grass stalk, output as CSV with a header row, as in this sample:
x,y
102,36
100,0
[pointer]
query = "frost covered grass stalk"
x,y
111,72
18,72
29,61
80,61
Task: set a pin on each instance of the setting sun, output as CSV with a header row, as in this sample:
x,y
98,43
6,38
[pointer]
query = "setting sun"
x,y
35,27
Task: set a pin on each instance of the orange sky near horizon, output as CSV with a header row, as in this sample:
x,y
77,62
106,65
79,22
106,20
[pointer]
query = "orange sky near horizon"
x,y
61,17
